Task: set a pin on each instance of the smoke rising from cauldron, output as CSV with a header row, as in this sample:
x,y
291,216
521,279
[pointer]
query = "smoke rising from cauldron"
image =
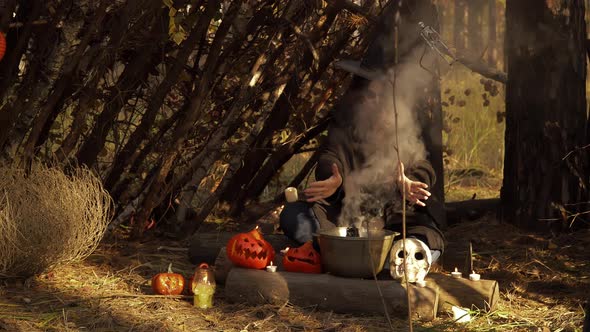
x,y
375,127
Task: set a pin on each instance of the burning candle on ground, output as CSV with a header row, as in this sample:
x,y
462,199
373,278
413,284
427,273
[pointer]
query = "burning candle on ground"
x,y
456,274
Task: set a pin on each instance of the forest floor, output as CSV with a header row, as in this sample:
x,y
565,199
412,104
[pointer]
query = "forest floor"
x,y
544,281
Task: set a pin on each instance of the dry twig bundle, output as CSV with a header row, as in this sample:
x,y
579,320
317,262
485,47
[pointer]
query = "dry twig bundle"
x,y
49,218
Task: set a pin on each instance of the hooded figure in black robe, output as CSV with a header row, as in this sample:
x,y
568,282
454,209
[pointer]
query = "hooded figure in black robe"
x,y
352,147
346,149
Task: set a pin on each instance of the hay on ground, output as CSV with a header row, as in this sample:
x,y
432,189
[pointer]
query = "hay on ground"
x,y
49,218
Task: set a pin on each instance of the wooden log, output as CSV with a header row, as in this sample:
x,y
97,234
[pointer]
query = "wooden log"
x,y
352,295
223,265
470,209
328,292
482,294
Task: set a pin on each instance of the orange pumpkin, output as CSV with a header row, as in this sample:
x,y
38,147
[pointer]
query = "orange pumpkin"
x,y
168,283
304,259
250,250
2,45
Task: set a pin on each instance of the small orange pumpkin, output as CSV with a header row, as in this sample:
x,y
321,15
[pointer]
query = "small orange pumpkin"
x,y
250,250
2,45
168,283
304,259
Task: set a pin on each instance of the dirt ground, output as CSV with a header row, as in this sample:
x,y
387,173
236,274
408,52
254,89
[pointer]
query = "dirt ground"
x,y
544,281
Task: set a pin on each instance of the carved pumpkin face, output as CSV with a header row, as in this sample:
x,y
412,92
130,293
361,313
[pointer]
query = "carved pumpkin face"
x,y
168,283
250,250
303,259
2,45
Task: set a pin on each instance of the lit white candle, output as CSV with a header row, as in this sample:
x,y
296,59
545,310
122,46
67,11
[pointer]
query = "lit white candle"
x,y
342,231
474,276
456,274
271,268
291,194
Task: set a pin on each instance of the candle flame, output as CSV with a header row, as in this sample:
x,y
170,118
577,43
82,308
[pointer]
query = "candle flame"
x,y
270,263
456,270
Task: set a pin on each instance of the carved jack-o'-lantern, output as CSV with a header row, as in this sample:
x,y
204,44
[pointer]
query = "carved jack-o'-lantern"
x,y
303,259
2,45
168,283
250,250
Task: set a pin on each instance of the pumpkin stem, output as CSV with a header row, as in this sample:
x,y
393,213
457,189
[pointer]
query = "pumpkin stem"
x,y
170,268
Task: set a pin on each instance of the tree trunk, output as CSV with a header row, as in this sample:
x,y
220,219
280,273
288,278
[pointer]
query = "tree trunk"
x,y
459,28
492,34
545,113
475,26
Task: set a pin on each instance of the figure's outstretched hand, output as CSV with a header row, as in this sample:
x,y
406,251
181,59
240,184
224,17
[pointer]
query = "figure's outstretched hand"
x,y
323,189
415,191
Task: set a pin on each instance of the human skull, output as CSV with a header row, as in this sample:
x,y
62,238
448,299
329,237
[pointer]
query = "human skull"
x,y
418,260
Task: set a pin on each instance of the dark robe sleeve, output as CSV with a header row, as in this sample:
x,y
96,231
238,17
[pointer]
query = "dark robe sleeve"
x,y
421,221
422,171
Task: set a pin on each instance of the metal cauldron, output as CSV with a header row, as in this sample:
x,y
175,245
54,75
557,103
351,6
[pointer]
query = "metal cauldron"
x,y
351,256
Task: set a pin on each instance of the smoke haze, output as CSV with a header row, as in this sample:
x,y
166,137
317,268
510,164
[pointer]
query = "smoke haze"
x,y
375,128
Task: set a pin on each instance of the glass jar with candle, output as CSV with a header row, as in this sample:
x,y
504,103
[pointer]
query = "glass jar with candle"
x,y
203,287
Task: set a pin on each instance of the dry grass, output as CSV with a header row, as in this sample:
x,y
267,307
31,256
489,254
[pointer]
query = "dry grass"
x,y
49,218
110,291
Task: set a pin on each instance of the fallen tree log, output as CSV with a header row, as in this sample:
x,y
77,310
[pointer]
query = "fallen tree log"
x,y
327,292
223,265
352,295
470,209
462,292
